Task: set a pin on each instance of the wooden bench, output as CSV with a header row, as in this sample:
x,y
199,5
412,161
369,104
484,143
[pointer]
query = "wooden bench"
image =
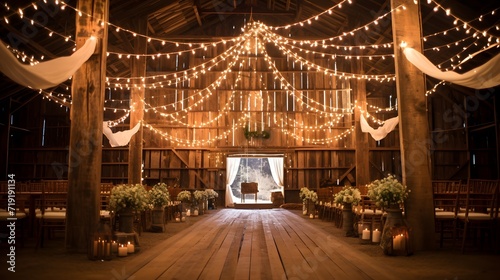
x,y
249,188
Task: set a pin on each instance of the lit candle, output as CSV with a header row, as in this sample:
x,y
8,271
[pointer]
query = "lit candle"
x,y
311,216
114,247
130,248
398,242
177,219
366,234
122,251
376,235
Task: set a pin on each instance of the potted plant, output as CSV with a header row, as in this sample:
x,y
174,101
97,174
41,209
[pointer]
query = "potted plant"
x,y
309,199
125,199
390,194
199,198
185,198
212,195
159,197
348,196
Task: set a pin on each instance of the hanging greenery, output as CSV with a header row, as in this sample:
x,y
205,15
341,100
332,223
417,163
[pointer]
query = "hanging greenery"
x,y
256,134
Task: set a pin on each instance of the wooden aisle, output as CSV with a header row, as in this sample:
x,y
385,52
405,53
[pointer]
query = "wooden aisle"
x,y
257,244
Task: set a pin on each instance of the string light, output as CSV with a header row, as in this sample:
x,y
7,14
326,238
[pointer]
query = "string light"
x,y
239,52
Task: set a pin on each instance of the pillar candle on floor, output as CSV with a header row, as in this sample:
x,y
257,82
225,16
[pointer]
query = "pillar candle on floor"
x,y
130,248
366,234
376,235
122,251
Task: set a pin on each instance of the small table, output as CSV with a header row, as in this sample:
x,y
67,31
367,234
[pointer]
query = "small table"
x,y
249,188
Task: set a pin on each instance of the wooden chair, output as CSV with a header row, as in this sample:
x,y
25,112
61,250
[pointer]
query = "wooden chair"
x,y
368,214
106,188
478,219
445,194
51,215
325,196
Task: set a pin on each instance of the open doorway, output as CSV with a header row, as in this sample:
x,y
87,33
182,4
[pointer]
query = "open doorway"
x,y
266,170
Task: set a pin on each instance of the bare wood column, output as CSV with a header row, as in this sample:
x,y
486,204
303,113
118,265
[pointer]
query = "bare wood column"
x,y
413,125
137,69
85,151
361,138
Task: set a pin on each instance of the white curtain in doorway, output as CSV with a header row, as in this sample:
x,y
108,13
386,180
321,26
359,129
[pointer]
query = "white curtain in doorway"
x,y
276,166
233,164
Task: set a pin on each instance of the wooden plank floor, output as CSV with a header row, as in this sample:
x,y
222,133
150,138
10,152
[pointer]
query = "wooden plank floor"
x,y
257,244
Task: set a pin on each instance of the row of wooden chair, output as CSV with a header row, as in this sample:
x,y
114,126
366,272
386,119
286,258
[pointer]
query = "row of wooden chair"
x,y
467,212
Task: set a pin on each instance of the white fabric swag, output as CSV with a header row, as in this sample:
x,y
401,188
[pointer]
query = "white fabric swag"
x,y
380,132
484,76
44,74
120,138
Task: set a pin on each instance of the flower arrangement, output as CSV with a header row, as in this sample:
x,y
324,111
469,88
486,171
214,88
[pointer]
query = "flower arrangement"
x,y
211,193
303,192
199,196
348,194
133,196
184,196
159,195
307,194
388,192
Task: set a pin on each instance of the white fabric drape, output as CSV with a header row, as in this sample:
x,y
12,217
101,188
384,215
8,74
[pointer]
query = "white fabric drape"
x,y
484,76
380,132
276,166
120,138
233,164
44,74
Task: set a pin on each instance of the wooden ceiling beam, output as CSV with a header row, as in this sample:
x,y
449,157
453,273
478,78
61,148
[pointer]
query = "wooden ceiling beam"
x,y
246,12
197,15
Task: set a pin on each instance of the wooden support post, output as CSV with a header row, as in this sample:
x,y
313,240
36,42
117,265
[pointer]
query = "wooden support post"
x,y
413,126
137,69
361,138
85,151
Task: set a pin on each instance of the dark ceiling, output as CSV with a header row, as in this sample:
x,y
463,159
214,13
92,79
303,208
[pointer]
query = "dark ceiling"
x,y
208,20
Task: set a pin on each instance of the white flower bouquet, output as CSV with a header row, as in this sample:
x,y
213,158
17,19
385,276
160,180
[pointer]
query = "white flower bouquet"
x,y
348,194
211,193
159,195
200,196
184,196
388,192
132,196
307,194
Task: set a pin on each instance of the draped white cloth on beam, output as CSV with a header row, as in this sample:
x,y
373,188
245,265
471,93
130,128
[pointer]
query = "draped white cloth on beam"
x,y
120,138
48,73
380,132
484,76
